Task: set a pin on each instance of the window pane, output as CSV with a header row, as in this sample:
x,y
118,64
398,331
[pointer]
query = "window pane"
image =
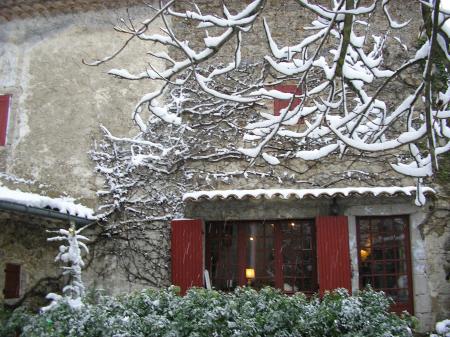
x,y
378,268
391,281
221,255
299,256
382,243
231,248
260,255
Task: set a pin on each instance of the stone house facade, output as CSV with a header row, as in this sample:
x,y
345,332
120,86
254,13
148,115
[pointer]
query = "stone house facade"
x,y
304,227
342,208
52,109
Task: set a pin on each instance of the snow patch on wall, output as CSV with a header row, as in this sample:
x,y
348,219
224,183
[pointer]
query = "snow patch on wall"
x,y
419,250
23,129
8,64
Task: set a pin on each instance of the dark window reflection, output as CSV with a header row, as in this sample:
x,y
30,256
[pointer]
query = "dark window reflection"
x,y
382,259
281,253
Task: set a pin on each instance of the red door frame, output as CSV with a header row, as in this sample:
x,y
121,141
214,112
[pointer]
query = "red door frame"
x,y
396,307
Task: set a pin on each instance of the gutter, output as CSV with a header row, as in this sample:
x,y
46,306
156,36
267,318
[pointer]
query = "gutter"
x,y
44,213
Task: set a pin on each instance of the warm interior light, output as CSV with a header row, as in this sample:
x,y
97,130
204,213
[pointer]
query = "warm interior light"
x,y
364,254
252,238
292,224
249,273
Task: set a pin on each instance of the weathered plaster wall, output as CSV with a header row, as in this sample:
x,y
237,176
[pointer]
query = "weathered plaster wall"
x,y
435,235
23,242
58,103
112,271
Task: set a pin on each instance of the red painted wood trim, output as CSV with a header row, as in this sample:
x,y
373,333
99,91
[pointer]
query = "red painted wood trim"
x,y
187,254
4,112
278,244
333,253
12,281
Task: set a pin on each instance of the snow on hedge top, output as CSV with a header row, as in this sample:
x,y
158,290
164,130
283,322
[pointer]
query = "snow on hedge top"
x,y
63,205
302,193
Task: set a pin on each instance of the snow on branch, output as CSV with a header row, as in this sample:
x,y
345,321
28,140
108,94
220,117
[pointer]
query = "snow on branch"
x,y
339,69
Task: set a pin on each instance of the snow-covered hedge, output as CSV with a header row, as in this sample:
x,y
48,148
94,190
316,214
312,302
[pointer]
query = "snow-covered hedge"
x,y
206,313
442,329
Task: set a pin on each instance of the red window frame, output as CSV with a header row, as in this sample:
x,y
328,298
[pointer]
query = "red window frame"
x,y
12,281
384,258
5,102
229,247
279,104
190,241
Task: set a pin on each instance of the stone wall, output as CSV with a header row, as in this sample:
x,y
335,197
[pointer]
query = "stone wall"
x,y
435,234
429,225
287,20
23,241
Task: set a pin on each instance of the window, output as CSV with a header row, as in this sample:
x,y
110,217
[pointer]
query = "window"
x,y
384,257
298,259
292,255
282,254
12,281
4,112
279,104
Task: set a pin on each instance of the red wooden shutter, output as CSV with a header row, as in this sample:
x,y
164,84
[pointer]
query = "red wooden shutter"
x,y
12,281
187,254
333,254
278,246
4,110
279,104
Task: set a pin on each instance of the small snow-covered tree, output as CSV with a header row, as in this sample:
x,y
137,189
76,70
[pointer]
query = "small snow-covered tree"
x,y
70,254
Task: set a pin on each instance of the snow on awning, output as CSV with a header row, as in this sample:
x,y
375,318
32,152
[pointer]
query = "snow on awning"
x,y
303,193
62,205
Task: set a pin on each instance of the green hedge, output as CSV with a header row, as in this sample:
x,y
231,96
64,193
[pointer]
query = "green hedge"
x,y
206,313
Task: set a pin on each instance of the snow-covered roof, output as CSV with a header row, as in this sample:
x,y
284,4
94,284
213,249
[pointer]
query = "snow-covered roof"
x,y
62,205
302,193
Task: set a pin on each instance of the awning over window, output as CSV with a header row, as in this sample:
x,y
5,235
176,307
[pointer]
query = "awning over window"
x,y
304,193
